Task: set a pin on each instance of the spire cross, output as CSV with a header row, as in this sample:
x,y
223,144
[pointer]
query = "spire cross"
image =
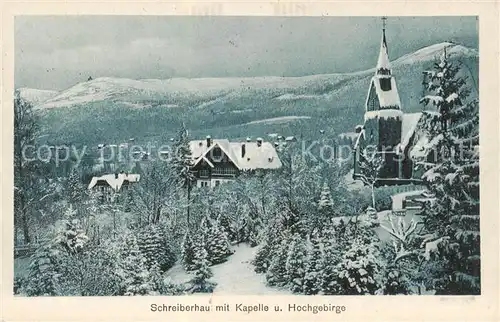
x,y
384,19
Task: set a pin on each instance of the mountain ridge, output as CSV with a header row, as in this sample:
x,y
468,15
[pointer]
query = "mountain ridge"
x,y
104,88
106,109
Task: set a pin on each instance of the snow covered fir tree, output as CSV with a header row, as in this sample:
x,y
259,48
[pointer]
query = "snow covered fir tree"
x,y
253,186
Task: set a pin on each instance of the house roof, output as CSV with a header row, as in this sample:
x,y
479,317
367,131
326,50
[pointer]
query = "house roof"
x,y
256,157
361,134
115,181
409,125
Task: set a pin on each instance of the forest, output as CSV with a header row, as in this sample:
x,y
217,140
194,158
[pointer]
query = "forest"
x,y
312,233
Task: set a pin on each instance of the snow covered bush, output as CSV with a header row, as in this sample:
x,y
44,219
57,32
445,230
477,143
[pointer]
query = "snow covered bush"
x,y
395,282
358,269
89,273
164,285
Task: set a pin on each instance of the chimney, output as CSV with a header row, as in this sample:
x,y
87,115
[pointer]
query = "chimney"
x,y
116,175
209,140
259,142
243,150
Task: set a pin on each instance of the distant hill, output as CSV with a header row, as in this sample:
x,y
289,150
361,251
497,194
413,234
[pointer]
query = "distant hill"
x,y
36,96
113,109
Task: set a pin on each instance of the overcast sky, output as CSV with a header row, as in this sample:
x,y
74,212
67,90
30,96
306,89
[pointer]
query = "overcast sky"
x,y
55,52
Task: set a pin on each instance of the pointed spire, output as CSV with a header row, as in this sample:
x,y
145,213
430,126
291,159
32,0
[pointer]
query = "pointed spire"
x,y
383,63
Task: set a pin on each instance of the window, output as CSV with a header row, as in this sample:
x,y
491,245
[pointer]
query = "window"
x,y
204,173
225,171
216,154
385,84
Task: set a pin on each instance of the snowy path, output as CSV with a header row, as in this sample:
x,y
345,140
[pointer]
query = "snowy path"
x,y
237,277
234,277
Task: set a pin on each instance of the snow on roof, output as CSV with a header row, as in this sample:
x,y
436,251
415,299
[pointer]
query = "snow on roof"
x,y
115,181
387,98
397,199
409,125
362,133
383,56
255,157
388,113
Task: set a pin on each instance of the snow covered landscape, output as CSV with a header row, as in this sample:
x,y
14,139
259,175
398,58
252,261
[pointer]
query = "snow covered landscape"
x,y
358,182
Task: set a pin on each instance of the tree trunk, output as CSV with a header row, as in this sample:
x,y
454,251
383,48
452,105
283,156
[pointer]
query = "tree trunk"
x,y
26,233
373,196
188,202
157,217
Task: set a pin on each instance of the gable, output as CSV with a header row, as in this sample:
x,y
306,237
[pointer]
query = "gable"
x,y
243,155
218,151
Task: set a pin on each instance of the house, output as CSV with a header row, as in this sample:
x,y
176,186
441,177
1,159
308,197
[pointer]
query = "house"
x,y
109,184
398,136
218,161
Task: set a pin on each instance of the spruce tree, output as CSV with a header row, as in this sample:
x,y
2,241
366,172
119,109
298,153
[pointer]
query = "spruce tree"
x,y
325,209
295,263
217,243
201,268
272,238
132,269
314,265
333,244
153,245
187,252
71,236
181,164
262,258
225,224
75,191
452,175
325,202
43,277
277,274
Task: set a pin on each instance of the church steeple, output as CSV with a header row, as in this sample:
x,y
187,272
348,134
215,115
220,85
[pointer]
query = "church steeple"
x,y
383,63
